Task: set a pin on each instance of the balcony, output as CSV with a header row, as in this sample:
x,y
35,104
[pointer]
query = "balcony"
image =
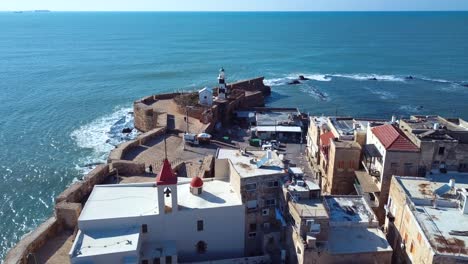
x,y
365,185
372,161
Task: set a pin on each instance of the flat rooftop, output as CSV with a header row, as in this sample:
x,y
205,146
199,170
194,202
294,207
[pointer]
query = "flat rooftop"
x,y
100,243
319,120
133,200
438,223
310,208
352,240
277,117
345,126
427,123
348,209
246,165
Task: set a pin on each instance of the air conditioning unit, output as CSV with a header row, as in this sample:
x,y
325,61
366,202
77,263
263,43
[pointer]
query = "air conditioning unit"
x,y
300,183
312,227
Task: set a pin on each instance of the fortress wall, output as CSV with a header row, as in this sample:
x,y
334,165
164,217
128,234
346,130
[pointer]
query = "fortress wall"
x,y
125,167
33,241
150,135
119,152
145,118
254,99
255,84
80,190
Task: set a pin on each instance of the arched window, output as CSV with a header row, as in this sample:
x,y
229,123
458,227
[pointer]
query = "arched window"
x,y
201,247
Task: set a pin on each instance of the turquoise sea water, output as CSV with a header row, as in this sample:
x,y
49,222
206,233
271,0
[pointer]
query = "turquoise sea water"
x,y
67,80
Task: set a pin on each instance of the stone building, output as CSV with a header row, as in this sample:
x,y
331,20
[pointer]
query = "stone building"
x,y
387,152
427,218
255,177
443,142
335,229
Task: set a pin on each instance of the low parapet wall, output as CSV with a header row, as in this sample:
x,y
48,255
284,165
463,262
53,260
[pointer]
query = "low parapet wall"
x,y
126,167
33,241
121,150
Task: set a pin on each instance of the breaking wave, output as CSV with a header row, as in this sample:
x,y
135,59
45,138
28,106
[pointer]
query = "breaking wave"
x,y
315,92
102,135
411,108
384,95
367,77
291,77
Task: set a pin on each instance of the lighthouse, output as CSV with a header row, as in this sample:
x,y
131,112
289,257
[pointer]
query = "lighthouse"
x,y
222,84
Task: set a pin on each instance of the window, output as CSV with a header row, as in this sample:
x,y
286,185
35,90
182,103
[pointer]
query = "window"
x,y
266,226
157,261
200,225
441,150
272,184
270,202
145,261
265,212
201,247
351,165
252,204
419,237
251,187
252,234
168,259
411,249
408,168
341,164
253,227
144,228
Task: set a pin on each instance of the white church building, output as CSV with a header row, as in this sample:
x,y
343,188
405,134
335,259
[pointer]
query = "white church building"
x,y
170,221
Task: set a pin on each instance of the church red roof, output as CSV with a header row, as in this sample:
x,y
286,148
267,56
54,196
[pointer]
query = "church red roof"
x,y
196,182
393,138
325,138
166,176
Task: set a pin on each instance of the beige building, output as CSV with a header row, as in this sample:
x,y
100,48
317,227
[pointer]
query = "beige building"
x,y
443,142
387,152
427,218
335,229
255,177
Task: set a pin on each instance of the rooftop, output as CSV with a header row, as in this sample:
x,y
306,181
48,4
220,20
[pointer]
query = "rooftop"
x,y
346,209
439,223
392,138
308,208
424,123
100,243
345,126
346,240
277,117
135,200
246,164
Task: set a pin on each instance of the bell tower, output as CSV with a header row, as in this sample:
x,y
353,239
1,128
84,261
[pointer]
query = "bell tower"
x,y
166,182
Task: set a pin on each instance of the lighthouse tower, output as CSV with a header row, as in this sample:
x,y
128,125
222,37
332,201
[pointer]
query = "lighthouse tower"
x,y
222,84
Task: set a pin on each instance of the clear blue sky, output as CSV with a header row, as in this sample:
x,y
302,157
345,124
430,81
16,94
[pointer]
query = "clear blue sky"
x,y
234,5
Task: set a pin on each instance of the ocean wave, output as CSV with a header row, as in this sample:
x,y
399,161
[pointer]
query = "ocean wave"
x,y
366,77
315,92
384,95
411,108
295,76
102,135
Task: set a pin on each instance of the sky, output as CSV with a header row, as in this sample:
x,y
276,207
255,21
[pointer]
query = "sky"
x,y
235,5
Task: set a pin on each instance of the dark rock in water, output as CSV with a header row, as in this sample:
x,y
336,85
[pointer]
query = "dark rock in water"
x,y
302,78
127,130
294,82
372,79
420,107
409,77
465,84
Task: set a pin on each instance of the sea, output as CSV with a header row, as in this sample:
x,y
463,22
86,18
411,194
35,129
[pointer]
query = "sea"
x,y
68,80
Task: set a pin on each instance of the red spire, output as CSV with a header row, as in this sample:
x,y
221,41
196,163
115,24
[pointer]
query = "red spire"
x,y
166,176
196,182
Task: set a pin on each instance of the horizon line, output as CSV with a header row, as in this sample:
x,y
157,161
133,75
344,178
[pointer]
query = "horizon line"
x,y
231,11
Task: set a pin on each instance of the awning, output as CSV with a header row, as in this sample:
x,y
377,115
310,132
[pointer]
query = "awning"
x,y
366,182
371,151
295,129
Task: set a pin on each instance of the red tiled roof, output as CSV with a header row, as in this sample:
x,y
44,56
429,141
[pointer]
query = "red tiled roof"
x,y
325,138
166,176
393,138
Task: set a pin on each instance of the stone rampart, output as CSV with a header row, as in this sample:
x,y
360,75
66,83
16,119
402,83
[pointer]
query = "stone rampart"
x,y
126,167
255,84
33,241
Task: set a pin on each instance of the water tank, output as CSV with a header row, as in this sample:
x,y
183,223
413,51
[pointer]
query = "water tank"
x,y
452,183
393,119
436,126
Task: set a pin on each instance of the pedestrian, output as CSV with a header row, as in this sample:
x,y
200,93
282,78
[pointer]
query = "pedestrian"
x,y
150,168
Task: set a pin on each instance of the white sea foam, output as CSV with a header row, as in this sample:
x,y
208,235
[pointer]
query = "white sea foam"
x,y
102,135
295,76
384,95
411,108
365,77
315,92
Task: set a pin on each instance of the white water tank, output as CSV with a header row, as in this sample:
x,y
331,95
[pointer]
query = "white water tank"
x,y
452,183
393,119
436,126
